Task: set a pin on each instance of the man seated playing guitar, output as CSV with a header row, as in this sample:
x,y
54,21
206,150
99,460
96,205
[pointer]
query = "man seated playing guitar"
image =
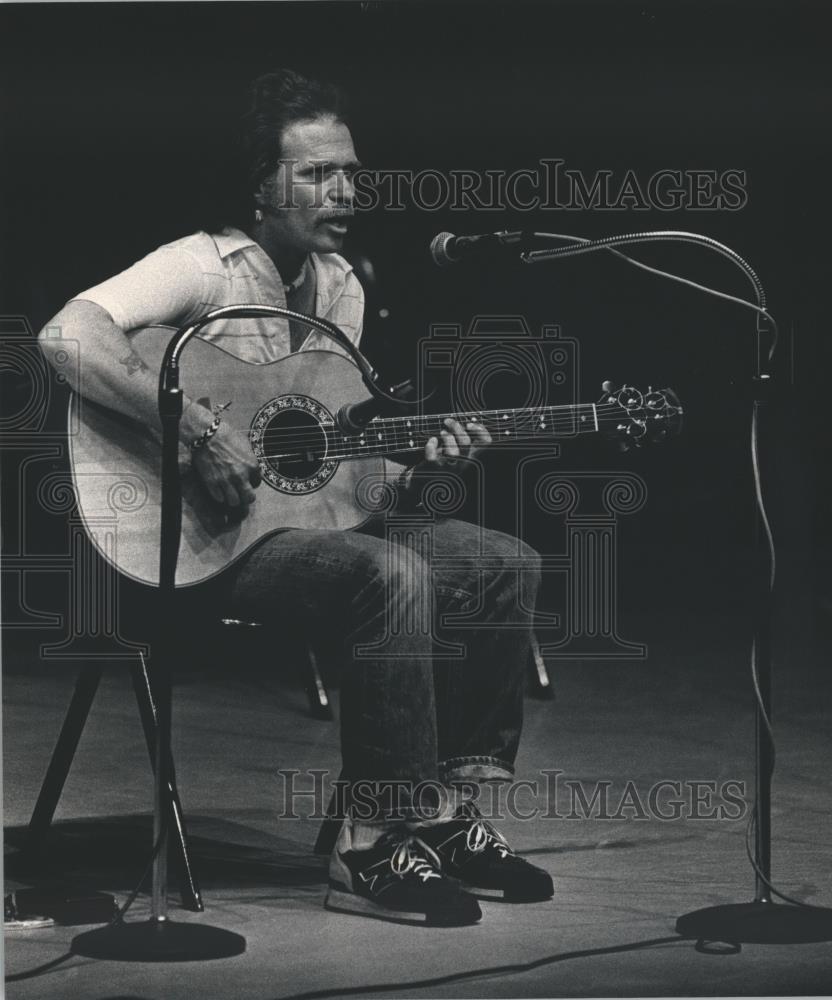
x,y
408,718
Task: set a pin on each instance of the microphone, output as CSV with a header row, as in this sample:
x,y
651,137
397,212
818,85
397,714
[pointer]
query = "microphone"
x,y
445,248
352,418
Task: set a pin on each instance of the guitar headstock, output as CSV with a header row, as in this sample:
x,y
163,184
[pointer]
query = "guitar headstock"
x,y
634,418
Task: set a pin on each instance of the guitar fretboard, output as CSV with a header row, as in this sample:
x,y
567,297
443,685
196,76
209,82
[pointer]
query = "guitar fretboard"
x,y
384,435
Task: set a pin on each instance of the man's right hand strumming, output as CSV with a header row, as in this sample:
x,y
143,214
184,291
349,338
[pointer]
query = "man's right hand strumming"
x,y
228,468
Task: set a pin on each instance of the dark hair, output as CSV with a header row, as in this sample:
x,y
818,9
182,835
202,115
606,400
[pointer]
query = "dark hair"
x,y
276,100
280,99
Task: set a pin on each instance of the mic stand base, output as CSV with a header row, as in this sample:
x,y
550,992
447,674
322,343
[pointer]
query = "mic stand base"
x,y
158,941
757,923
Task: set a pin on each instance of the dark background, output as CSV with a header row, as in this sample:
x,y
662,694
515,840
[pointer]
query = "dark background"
x,y
115,122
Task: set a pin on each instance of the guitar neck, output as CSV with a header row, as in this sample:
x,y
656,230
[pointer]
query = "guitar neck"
x,y
387,435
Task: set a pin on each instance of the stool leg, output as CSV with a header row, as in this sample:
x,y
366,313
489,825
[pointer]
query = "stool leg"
x,y
191,895
56,774
319,704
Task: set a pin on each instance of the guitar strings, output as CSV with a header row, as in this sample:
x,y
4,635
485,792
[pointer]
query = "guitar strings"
x,y
404,437
313,436
426,424
350,447
391,431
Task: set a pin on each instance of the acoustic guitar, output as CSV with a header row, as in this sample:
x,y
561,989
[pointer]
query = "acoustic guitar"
x,y
314,474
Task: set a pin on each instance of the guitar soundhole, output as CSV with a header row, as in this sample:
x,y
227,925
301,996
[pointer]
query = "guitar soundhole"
x,y
295,444
289,438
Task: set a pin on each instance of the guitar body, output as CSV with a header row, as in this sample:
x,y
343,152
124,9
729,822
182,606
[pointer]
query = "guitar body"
x,y
116,462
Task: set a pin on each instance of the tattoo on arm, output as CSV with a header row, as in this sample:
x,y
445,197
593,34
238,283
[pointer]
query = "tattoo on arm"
x,y
133,363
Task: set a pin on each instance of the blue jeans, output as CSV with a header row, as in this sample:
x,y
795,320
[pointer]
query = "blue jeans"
x,y
410,711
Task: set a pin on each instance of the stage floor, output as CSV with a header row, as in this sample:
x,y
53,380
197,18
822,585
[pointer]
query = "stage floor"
x,y
683,715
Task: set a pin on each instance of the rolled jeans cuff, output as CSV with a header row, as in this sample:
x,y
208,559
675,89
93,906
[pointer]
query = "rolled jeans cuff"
x,y
480,768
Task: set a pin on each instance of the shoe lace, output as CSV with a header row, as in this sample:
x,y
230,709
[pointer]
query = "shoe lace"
x,y
413,856
482,834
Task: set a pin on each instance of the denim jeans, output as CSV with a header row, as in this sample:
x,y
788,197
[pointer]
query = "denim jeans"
x,y
411,711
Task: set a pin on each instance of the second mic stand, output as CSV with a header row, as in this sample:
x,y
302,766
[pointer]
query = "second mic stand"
x,y
760,921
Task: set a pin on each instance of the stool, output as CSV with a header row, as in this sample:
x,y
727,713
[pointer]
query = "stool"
x,y
86,686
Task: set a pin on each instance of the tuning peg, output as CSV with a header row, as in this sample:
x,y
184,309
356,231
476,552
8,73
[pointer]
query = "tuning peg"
x,y
608,386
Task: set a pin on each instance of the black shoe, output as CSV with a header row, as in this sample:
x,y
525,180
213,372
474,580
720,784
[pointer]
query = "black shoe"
x,y
398,879
476,856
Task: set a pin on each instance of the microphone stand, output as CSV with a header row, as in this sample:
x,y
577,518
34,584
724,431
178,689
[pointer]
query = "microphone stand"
x,y
761,921
160,939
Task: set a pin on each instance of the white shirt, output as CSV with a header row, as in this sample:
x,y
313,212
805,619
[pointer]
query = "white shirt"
x,y
182,280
